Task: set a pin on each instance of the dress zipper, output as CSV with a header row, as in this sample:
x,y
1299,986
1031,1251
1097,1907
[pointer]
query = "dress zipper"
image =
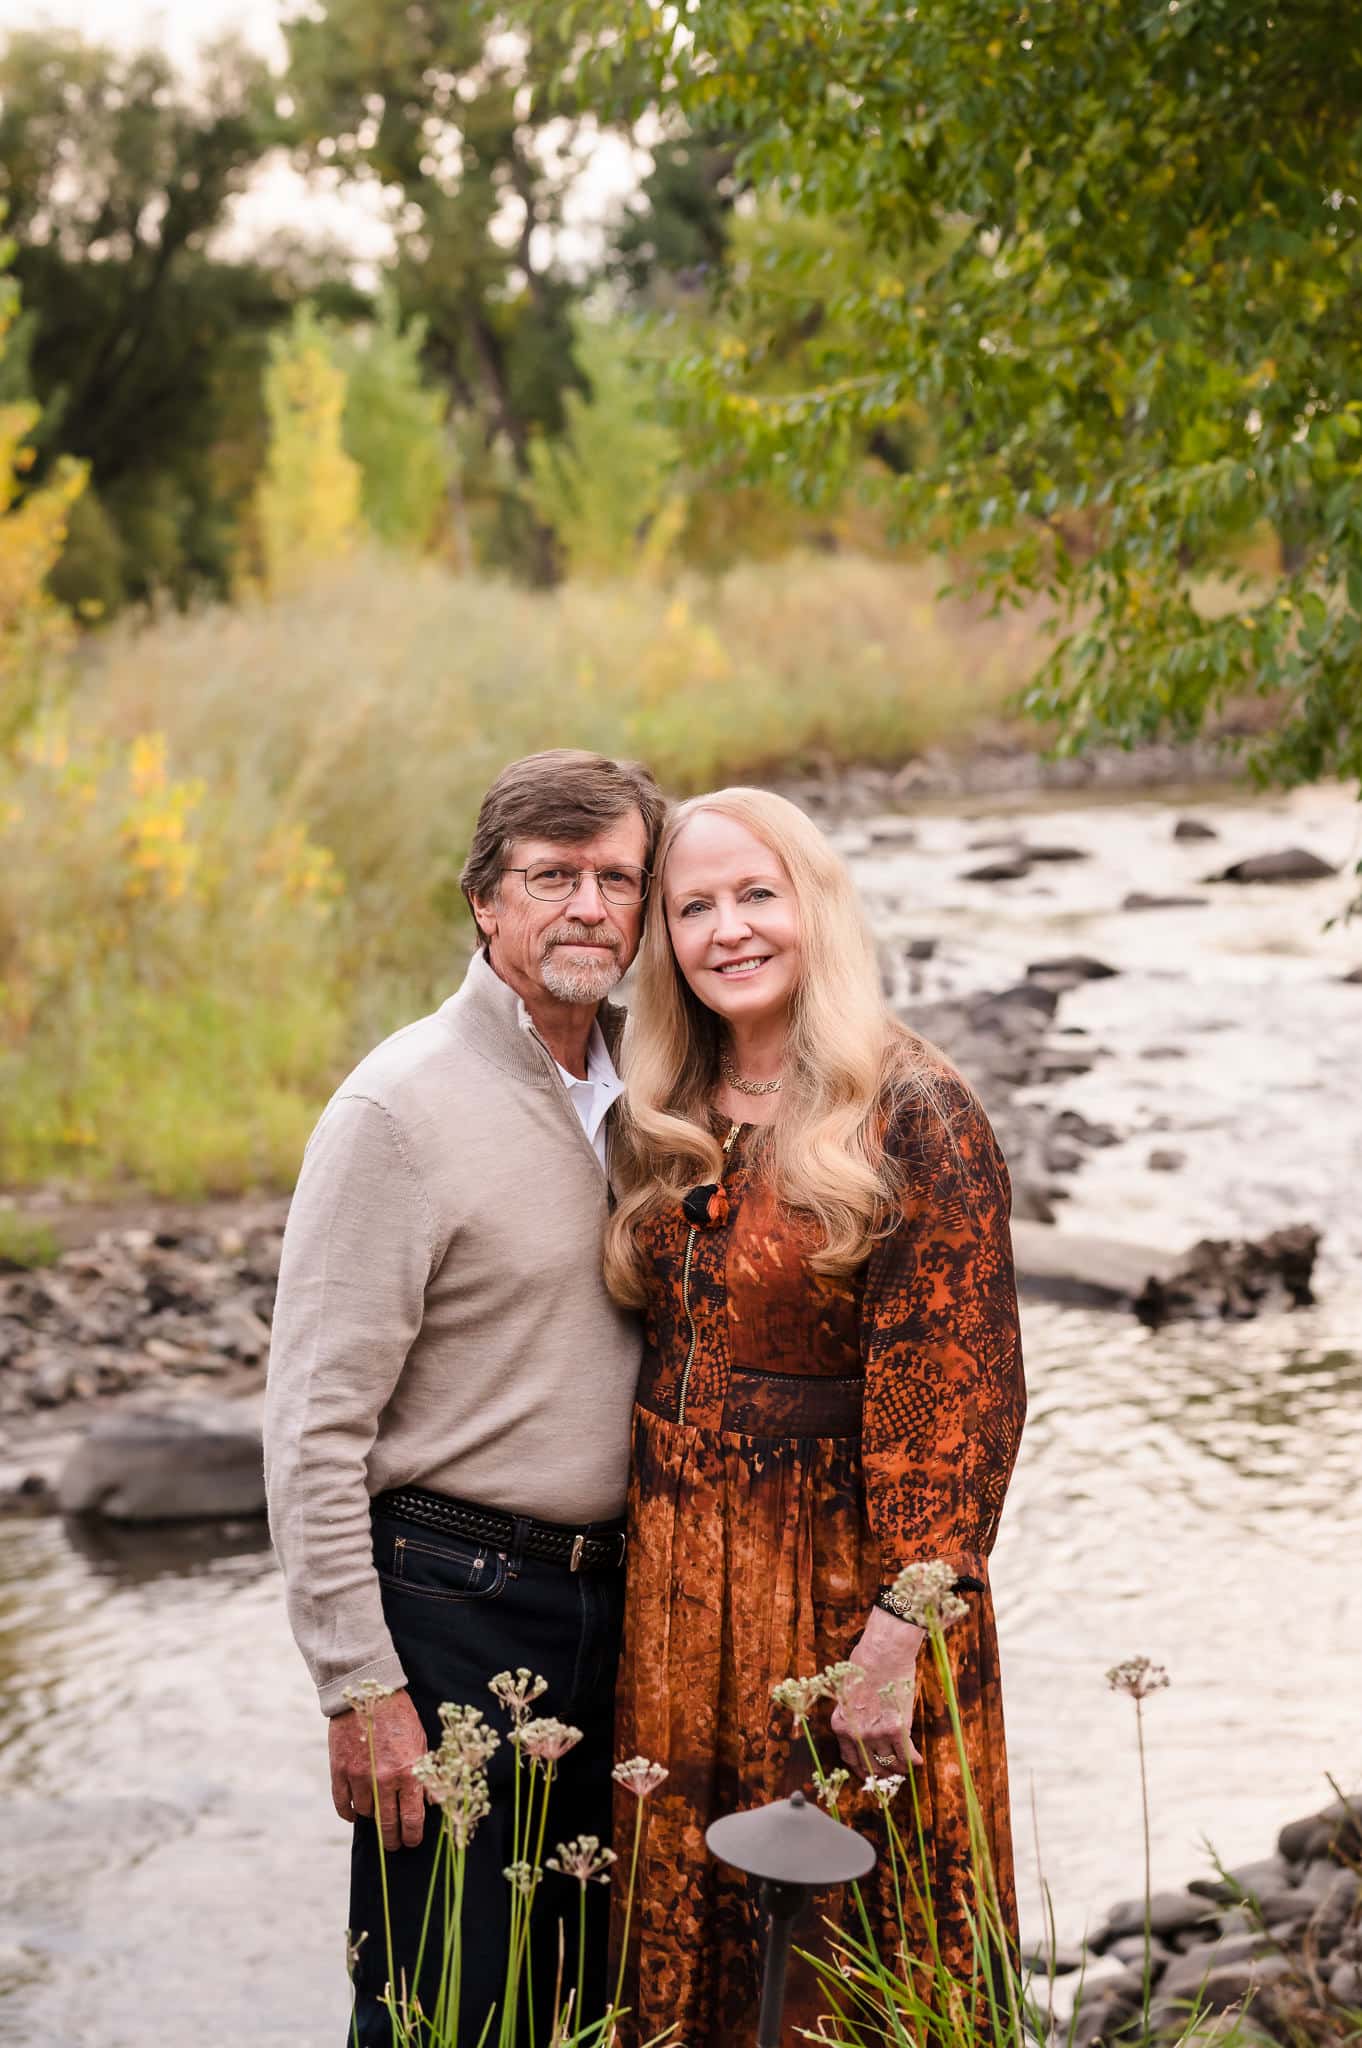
x,y
685,1286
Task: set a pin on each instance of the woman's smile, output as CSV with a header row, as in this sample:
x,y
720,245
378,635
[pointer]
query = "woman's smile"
x,y
734,969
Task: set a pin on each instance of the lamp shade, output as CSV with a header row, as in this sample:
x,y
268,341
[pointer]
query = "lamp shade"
x,y
791,1842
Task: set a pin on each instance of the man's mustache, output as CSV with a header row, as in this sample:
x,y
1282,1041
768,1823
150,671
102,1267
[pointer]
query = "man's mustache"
x,y
579,935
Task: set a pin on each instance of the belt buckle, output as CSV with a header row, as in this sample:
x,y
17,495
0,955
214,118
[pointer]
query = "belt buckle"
x,y
579,1544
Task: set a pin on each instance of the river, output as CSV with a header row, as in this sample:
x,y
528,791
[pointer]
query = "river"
x,y
175,1872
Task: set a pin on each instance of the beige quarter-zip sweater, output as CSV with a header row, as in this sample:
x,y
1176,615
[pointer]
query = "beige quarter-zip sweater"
x,y
442,1320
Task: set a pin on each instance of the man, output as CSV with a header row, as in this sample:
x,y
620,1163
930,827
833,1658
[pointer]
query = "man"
x,y
450,1386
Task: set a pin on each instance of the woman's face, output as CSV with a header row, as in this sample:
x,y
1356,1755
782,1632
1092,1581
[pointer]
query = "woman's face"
x,y
732,919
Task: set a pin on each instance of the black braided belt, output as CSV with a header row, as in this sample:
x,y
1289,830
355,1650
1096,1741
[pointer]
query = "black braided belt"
x,y
599,1545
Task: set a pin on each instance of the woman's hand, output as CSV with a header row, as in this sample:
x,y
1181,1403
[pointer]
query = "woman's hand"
x,y
872,1732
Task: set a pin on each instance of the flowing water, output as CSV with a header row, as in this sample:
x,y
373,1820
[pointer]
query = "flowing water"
x,y
173,1872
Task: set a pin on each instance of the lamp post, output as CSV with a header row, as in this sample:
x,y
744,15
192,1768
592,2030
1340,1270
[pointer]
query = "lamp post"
x,y
794,1849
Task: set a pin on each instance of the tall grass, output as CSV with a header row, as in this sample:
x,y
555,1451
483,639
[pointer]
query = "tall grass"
x,y
229,860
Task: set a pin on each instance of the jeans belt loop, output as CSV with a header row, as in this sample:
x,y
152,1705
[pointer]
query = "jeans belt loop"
x,y
522,1530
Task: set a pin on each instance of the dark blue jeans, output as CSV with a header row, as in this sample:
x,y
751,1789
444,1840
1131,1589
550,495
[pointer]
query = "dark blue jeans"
x,y
459,1613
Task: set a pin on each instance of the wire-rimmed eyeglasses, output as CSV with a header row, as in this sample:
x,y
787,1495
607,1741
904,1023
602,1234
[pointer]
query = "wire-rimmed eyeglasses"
x,y
554,881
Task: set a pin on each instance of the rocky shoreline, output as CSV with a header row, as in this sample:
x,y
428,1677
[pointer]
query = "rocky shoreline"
x,y
1272,1948
1003,765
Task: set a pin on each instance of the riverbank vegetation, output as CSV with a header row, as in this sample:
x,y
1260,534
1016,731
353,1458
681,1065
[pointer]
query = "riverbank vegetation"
x,y
230,847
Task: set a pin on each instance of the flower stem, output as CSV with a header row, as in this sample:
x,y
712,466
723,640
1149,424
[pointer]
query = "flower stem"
x,y
1148,1874
383,1879
629,1902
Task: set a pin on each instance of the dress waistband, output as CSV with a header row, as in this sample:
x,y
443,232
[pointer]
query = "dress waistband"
x,y
770,1404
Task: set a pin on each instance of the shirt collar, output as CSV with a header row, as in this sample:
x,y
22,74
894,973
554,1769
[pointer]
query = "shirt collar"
x,y
600,1067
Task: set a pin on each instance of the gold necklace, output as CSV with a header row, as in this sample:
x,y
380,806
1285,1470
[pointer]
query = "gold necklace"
x,y
735,1079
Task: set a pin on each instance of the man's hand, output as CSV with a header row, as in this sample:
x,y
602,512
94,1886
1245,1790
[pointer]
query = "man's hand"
x,y
887,1653
398,1739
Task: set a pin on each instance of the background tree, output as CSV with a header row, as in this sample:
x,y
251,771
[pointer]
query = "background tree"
x,y
393,427
308,505
143,349
481,128
33,522
607,486
1131,318
673,232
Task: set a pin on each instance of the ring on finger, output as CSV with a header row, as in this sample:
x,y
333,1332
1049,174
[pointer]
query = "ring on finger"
x,y
877,1756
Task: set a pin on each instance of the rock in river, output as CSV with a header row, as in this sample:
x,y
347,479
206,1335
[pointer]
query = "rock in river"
x,y
1233,1277
166,1466
998,871
1139,900
1294,864
1070,968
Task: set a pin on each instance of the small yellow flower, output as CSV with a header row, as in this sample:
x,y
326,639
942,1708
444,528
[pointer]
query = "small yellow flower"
x,y
147,764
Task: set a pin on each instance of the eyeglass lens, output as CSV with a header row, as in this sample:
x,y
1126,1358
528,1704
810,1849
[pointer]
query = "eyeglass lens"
x,y
553,883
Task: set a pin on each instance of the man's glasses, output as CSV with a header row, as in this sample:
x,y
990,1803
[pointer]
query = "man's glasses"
x,y
551,881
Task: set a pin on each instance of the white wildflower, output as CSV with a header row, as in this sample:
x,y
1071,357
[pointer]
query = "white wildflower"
x,y
583,1858
545,1741
639,1776
830,1788
929,1593
364,1698
515,1690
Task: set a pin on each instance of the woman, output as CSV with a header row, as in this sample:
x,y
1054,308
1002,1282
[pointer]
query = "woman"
x,y
814,1221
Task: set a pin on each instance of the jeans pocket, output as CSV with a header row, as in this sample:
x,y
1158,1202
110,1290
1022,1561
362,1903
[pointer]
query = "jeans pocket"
x,y
434,1567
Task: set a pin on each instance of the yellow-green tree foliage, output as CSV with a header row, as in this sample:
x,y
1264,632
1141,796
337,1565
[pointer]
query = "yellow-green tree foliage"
x,y
32,533
607,485
308,505
394,428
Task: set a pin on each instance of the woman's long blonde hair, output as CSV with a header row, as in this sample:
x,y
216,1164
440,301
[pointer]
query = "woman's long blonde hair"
x,y
849,1062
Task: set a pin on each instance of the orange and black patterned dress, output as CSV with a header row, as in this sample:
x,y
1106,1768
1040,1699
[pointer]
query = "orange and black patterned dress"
x,y
798,1439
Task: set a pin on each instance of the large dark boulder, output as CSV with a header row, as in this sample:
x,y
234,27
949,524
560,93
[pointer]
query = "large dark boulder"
x,y
1169,1913
1293,864
167,1466
1336,1830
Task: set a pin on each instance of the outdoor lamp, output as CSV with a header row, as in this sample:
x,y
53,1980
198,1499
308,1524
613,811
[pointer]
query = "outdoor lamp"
x,y
794,1849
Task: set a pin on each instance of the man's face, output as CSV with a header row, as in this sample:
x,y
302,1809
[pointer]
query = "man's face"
x,y
571,952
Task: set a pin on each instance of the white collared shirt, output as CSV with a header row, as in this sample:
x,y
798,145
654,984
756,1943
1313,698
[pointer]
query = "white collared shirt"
x,y
592,1097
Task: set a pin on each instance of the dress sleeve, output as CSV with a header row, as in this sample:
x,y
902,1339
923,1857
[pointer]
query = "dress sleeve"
x,y
945,1397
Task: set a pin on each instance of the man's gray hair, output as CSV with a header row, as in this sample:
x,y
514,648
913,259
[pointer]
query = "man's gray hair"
x,y
563,794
